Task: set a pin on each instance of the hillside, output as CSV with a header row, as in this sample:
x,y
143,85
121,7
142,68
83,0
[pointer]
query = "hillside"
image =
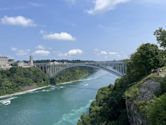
x,y
146,100
20,79
72,74
142,104
138,98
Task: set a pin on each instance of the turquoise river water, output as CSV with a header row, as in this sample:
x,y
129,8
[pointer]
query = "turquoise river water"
x,y
58,105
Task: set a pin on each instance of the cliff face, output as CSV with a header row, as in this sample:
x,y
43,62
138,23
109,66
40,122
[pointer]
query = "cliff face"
x,y
139,103
146,92
140,97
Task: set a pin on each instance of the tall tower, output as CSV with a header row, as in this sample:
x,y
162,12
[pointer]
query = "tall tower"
x,y
31,61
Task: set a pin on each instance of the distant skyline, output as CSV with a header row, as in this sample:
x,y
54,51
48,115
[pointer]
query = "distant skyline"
x,y
78,29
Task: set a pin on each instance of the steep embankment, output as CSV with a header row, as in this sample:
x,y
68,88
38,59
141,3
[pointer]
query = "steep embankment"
x,y
72,74
143,103
146,100
21,79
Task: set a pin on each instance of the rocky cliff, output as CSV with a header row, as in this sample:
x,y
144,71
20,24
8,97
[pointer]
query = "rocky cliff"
x,y
140,103
141,97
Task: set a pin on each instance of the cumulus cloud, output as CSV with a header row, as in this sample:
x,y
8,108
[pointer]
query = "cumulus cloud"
x,y
41,52
72,52
105,5
106,54
63,36
17,21
37,51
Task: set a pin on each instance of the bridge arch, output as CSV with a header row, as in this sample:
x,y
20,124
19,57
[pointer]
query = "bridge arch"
x,y
96,67
54,70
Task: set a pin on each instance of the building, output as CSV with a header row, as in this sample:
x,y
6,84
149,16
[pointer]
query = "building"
x,y
11,61
4,62
25,64
31,61
54,63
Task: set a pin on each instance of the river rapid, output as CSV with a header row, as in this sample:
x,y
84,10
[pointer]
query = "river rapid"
x,y
56,105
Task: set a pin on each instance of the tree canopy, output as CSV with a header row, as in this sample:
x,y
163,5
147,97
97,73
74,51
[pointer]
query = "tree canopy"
x,y
147,57
161,37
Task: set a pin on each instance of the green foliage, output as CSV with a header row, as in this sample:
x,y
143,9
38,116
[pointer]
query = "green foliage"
x,y
110,108
163,85
157,111
147,57
107,109
72,74
16,79
133,91
98,109
161,37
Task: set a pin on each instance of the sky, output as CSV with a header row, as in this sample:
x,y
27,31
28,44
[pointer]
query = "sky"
x,y
78,29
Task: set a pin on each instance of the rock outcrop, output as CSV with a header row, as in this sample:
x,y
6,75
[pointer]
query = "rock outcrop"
x,y
138,97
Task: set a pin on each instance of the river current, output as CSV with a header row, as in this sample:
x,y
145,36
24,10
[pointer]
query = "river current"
x,y
57,105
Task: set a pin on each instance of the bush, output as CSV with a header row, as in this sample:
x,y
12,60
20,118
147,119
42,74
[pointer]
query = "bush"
x,y
157,111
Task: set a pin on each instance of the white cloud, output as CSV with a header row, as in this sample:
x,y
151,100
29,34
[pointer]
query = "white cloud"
x,y
105,5
40,47
14,49
17,21
72,52
63,36
20,52
106,54
41,52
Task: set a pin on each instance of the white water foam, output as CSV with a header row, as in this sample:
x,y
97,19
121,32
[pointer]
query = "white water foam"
x,y
7,101
85,84
74,115
48,90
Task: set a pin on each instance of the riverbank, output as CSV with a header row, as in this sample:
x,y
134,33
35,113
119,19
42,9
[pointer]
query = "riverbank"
x,y
72,75
71,82
38,88
19,79
55,105
23,92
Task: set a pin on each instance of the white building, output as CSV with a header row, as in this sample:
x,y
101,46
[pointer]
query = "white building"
x,y
4,62
25,64
54,63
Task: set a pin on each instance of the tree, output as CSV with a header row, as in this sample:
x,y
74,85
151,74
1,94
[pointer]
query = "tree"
x,y
161,37
147,57
157,111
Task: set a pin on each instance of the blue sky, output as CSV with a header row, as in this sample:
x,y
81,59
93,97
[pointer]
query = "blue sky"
x,y
78,29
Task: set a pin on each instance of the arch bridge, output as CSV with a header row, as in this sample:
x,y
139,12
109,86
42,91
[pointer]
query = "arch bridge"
x,y
52,69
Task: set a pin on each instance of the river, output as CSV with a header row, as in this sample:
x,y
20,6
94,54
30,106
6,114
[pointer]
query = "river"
x,y
59,105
